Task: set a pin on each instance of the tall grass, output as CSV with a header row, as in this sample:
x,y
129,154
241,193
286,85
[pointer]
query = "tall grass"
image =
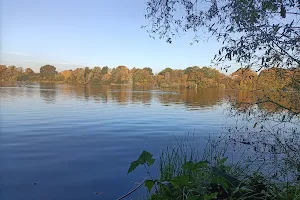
x,y
172,158
187,174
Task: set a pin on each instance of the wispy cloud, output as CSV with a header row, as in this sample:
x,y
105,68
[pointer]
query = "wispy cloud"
x,y
19,57
16,53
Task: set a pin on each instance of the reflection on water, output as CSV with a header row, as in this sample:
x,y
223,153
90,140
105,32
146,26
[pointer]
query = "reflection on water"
x,y
48,94
75,140
122,95
193,99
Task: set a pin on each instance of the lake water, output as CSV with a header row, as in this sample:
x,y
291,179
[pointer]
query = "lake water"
x,y
68,142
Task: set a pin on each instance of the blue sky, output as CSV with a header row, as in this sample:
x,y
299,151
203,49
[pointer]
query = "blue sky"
x,y
77,33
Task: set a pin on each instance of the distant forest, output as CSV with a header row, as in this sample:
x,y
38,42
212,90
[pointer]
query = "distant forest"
x,y
191,77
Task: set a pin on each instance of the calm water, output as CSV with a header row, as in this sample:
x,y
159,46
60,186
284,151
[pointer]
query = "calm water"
x,y
73,141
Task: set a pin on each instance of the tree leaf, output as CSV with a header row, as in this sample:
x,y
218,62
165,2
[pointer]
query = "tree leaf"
x,y
150,161
255,125
203,164
133,166
145,157
149,184
220,180
188,166
155,197
180,181
282,11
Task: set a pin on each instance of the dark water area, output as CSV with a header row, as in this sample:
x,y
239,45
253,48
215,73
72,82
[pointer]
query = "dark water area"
x,y
68,142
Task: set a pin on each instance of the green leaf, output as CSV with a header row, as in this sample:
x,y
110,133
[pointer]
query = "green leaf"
x,y
193,198
188,166
203,164
220,180
150,161
149,184
224,184
155,197
133,166
180,181
146,157
211,196
222,161
191,166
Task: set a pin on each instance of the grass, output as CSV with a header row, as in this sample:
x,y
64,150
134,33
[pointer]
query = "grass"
x,y
186,174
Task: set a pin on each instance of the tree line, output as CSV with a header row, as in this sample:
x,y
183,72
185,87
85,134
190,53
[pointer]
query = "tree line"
x,y
191,77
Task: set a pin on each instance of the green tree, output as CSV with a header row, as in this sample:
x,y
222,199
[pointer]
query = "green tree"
x,y
94,76
79,75
148,69
121,75
104,70
86,74
256,32
142,77
195,77
191,69
12,73
97,69
48,72
166,70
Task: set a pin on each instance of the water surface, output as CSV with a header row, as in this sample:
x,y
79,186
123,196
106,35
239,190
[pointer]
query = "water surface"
x,y
68,142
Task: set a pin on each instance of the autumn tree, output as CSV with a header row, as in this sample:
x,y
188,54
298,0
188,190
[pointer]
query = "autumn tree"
x,y
170,78
104,70
3,69
142,77
194,76
79,75
121,75
67,76
244,78
94,76
48,72
96,69
86,74
163,77
274,79
295,79
211,77
29,72
148,69
12,73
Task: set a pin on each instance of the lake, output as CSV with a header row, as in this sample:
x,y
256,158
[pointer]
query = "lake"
x,y
70,141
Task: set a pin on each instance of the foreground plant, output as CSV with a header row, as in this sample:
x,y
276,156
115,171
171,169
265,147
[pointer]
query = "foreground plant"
x,y
204,180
